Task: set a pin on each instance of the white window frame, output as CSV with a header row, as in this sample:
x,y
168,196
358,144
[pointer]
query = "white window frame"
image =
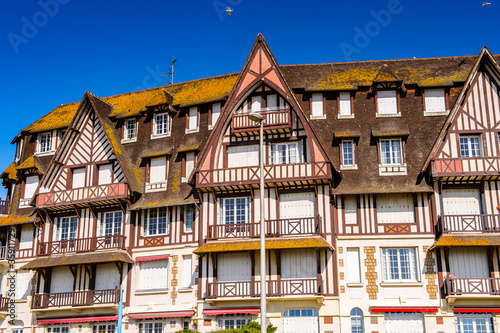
x,y
158,229
345,105
467,146
189,217
344,154
164,279
393,158
381,112
433,97
44,147
399,264
231,321
58,329
19,149
116,223
317,106
215,114
128,134
154,327
224,208
17,329
71,228
353,265
277,154
108,328
163,131
192,121
474,320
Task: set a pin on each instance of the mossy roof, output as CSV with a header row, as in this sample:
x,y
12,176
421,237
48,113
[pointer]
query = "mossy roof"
x,y
30,163
10,172
482,239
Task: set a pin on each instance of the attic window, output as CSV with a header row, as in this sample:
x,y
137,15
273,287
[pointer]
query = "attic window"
x,y
317,106
434,101
345,105
130,130
387,103
214,114
192,121
43,143
161,125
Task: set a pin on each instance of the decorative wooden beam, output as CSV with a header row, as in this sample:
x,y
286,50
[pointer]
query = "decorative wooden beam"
x,y
77,212
119,266
93,211
72,269
122,207
48,216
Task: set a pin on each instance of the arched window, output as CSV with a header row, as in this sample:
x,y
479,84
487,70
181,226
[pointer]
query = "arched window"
x,y
356,321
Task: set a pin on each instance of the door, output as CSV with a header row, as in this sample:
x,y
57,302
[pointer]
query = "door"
x,y
404,323
294,207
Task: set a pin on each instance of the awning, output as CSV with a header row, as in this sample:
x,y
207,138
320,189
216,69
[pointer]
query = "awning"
x,y
477,310
188,148
157,315
216,312
347,134
390,133
158,153
483,239
151,258
271,244
63,320
433,309
79,259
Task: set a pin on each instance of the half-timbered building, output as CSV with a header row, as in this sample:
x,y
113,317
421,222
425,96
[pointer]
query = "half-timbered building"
x,y
380,202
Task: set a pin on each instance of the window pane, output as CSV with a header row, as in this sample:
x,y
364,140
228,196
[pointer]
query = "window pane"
x,y
347,153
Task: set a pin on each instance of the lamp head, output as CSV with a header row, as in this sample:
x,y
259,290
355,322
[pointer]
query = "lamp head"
x,y
257,117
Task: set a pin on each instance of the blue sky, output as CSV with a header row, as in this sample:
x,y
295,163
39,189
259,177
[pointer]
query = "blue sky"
x,y
55,50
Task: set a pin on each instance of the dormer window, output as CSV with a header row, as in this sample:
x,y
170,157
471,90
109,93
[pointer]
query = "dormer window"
x,y
43,143
214,114
434,101
19,149
30,185
391,157
188,161
157,174
345,105
161,126
130,130
387,103
317,106
348,157
192,120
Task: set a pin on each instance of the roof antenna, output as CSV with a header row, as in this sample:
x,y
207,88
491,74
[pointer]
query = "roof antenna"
x,y
171,71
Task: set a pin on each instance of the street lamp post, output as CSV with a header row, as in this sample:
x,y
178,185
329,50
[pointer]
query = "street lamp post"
x,y
257,117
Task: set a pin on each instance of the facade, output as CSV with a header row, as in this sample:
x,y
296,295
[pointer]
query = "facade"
x,y
381,202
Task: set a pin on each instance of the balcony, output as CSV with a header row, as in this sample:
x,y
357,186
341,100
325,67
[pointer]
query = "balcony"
x,y
275,288
75,298
4,207
479,223
472,286
274,228
4,304
82,245
277,120
278,173
109,193
465,167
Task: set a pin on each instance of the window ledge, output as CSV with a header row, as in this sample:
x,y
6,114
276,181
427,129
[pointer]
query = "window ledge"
x,y
355,285
390,284
346,116
210,127
129,140
392,169
159,136
185,290
184,180
349,167
438,113
387,115
193,130
47,153
151,291
319,117
20,300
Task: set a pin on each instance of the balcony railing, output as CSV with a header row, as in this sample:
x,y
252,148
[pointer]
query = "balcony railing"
x,y
470,223
75,298
275,288
82,245
472,286
4,304
476,166
82,195
272,173
274,228
278,118
4,207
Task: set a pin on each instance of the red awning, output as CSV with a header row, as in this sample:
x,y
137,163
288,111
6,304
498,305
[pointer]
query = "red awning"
x,y
216,312
167,314
477,310
61,320
403,309
151,258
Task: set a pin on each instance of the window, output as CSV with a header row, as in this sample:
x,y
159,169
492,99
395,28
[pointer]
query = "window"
x,y
189,218
256,103
404,322
157,170
216,107
188,271
153,275
188,166
16,330
434,100
272,102
348,153
298,264
60,135
129,130
112,224
105,173
345,107
474,323
78,177
231,321
287,153
387,102
58,329
235,210
192,121
66,228
23,282
19,147
104,328
30,187
43,144
395,208
351,209
469,146
399,264
317,107
300,313
160,125
356,321
353,270
152,327
390,151
157,221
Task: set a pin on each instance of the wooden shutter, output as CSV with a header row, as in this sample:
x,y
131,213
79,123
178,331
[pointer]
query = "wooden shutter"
x,y
193,118
395,208
272,101
189,163
30,186
353,270
293,205
154,274
298,264
23,283
234,267
78,178
107,277
387,102
398,323
350,209
461,201
215,112
158,170
469,262
317,105
345,104
239,156
435,100
105,174
188,271
256,103
61,280
26,241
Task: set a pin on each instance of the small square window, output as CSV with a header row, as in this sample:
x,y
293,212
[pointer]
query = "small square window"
x,y
387,102
470,146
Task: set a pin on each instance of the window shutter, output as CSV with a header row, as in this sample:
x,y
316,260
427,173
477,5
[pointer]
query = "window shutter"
x,y
387,102
158,169
317,105
256,101
385,259
300,153
272,101
193,118
30,186
189,163
154,274
353,270
345,104
435,100
105,174
78,178
215,112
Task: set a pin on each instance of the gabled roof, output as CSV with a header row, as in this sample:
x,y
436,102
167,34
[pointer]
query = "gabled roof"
x,y
30,163
484,56
385,75
10,172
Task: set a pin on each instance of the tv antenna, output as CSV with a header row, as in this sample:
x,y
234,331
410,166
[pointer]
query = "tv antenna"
x,y
170,73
